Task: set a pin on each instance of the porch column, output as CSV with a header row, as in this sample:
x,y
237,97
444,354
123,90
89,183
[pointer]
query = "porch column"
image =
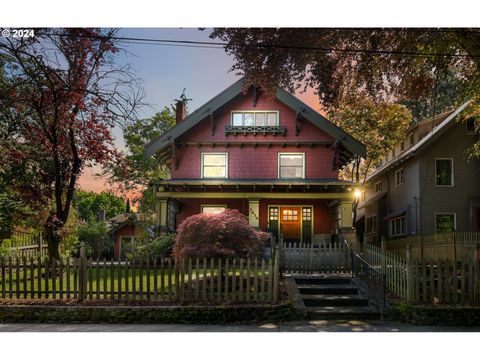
x,y
161,215
253,212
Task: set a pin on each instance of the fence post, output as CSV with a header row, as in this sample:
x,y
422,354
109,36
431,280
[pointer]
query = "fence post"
x,y
410,279
382,255
276,273
82,274
476,274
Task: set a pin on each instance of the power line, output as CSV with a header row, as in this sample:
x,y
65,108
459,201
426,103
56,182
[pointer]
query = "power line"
x,y
219,45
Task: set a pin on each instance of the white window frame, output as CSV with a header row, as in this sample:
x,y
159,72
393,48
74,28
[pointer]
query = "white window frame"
x,y
392,226
446,213
376,187
290,153
254,112
396,172
452,175
375,224
213,153
224,206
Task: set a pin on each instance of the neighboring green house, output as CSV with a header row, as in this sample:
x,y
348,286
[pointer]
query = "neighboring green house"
x,y
426,185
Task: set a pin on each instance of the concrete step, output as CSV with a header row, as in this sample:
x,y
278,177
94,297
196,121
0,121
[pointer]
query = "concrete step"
x,y
322,280
343,313
334,300
326,289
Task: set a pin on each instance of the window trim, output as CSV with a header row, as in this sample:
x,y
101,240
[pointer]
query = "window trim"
x,y
225,206
202,175
375,224
452,176
290,153
253,112
445,213
395,175
392,221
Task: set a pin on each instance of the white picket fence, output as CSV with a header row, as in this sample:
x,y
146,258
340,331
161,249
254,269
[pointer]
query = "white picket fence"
x,y
309,258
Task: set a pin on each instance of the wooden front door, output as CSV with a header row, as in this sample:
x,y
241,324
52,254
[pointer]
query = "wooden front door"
x,y
290,220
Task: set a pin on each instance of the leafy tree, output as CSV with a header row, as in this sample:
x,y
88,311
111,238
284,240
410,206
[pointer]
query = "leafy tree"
x,y
66,95
97,241
380,126
389,65
223,235
137,171
89,203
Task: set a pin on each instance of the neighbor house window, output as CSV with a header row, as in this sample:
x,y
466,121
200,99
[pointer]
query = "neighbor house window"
x,y
472,126
371,226
397,226
445,223
378,186
291,165
214,165
400,177
402,146
213,209
444,172
255,118
412,141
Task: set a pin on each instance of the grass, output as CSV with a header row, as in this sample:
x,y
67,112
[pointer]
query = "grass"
x,y
101,281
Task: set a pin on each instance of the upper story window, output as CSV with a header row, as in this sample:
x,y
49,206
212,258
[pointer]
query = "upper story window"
x,y
255,118
472,126
291,165
371,226
215,165
397,226
402,146
400,177
444,172
378,186
412,140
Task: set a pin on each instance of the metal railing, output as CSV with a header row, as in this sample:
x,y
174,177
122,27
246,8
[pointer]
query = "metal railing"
x,y
373,277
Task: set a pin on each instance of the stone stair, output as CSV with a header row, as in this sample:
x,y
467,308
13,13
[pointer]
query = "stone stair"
x,y
331,296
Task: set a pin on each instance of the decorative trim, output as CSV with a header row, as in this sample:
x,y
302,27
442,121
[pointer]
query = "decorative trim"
x,y
265,130
246,195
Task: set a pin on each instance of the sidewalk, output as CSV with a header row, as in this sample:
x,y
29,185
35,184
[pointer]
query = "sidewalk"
x,y
310,326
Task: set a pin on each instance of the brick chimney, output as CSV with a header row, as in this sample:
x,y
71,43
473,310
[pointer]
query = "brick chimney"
x,y
180,111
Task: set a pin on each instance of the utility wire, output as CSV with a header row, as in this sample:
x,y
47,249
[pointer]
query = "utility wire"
x,y
219,45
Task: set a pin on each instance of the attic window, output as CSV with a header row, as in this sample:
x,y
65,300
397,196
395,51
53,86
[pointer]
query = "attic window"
x,y
472,125
255,118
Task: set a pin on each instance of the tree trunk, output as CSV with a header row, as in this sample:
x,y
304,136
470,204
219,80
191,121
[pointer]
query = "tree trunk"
x,y
53,242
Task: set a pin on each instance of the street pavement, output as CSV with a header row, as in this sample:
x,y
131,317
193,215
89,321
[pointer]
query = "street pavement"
x,y
305,326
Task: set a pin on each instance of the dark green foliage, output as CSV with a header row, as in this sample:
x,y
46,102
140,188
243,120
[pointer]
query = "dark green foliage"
x,y
98,242
152,249
89,203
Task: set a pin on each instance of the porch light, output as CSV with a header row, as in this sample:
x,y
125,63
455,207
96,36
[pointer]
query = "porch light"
x,y
357,193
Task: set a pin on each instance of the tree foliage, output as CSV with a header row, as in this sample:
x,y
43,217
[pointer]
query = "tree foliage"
x,y
224,235
65,94
89,204
425,69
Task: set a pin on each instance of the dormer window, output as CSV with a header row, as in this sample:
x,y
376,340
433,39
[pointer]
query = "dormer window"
x,y
255,118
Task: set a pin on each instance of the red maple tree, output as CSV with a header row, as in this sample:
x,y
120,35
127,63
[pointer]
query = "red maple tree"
x,y
67,94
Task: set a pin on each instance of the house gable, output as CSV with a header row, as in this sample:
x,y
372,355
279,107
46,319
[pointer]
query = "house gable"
x,y
346,145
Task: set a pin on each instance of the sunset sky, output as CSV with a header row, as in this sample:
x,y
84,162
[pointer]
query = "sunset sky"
x,y
167,70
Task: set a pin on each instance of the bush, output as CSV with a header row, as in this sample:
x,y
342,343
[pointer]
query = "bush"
x,y
224,235
152,249
97,241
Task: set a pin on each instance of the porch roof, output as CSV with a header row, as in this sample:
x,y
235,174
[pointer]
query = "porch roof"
x,y
263,182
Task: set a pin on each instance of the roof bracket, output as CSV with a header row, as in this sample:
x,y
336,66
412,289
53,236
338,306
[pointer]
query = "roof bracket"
x,y
173,148
212,124
297,124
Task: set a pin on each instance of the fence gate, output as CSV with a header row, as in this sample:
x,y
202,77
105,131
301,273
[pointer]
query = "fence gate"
x,y
309,258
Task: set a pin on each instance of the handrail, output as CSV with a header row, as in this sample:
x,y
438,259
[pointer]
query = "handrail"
x,y
374,279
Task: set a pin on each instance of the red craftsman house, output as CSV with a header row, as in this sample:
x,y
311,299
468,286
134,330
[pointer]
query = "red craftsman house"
x,y
274,159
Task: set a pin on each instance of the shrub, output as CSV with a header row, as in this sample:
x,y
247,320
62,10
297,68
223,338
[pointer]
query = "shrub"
x,y
97,241
152,249
224,235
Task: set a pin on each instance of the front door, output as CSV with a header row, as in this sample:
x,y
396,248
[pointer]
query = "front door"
x,y
290,220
